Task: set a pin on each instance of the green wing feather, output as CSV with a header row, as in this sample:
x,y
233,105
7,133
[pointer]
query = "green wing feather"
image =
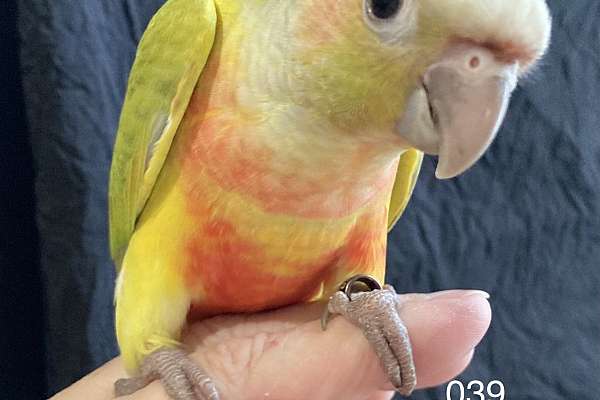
x,y
406,179
170,58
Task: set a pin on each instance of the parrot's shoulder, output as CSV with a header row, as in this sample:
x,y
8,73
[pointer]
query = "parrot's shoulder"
x,y
169,61
406,179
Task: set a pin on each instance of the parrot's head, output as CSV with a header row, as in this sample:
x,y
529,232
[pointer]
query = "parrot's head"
x,y
437,74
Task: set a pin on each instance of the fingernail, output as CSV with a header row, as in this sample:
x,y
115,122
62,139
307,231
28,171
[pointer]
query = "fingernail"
x,y
480,293
455,294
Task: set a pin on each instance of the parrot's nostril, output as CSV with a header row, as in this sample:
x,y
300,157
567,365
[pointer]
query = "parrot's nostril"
x,y
474,62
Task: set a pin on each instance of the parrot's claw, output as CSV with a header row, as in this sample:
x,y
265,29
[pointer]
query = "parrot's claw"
x,y
376,313
179,375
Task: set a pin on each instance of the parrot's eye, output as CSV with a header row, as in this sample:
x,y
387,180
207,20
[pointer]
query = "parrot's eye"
x,y
391,20
384,9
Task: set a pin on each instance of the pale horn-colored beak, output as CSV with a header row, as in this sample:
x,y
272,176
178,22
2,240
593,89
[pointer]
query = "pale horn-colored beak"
x,y
459,107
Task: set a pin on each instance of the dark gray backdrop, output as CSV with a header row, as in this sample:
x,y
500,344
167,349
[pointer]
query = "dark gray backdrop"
x,y
523,224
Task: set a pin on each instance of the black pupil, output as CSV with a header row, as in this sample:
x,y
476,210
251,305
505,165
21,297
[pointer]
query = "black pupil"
x,y
384,9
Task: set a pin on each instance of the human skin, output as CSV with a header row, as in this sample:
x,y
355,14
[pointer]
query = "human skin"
x,y
284,355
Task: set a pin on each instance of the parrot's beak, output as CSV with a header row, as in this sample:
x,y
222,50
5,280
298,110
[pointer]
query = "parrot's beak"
x,y
459,107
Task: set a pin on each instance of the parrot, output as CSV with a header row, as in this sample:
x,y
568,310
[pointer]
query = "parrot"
x,y
265,148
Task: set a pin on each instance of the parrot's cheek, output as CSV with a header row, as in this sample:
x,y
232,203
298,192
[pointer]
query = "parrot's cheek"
x,y
458,108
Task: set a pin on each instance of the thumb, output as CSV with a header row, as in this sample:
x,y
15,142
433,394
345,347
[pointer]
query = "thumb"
x,y
444,328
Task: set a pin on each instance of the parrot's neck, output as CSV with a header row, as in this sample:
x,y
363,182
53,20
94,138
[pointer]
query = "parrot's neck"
x,y
289,160
253,137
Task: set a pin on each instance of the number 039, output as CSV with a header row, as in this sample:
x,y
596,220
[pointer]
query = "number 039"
x,y
493,390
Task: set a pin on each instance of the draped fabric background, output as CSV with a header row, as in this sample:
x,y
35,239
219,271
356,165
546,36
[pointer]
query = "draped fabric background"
x,y
523,224
21,325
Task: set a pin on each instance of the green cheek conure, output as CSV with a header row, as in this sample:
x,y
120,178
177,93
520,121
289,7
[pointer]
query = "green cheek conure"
x,y
265,148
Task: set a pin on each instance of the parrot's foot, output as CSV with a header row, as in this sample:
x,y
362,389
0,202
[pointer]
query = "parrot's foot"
x,y
179,375
376,313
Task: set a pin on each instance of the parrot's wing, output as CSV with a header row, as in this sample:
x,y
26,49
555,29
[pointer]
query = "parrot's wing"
x,y
406,179
170,58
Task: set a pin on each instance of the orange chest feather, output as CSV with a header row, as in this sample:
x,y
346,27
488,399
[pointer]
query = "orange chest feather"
x,y
244,256
232,271
266,238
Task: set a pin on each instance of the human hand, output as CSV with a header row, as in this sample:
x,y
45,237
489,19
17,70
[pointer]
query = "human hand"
x,y
284,355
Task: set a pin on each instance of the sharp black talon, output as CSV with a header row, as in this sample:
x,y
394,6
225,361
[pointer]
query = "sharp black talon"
x,y
365,283
356,284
